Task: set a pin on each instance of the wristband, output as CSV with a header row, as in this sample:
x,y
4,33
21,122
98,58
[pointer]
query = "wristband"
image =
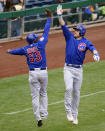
x,y
96,54
60,17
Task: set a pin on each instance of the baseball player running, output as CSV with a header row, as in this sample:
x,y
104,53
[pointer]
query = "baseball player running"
x,y
76,48
38,75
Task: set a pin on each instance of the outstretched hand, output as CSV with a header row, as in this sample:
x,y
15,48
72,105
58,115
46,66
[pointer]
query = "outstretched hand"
x,y
59,10
48,12
8,50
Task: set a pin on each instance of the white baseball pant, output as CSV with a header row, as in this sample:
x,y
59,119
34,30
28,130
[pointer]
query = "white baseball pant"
x,y
73,81
38,80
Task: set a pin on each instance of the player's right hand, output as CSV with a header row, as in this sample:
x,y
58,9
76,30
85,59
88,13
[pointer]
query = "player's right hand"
x,y
59,10
8,50
48,12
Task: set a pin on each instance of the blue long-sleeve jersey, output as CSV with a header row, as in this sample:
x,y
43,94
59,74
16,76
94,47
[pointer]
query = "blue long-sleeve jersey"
x,y
35,53
75,49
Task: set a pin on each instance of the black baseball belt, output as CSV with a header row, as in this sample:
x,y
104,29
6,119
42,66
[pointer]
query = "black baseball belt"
x,y
33,69
75,66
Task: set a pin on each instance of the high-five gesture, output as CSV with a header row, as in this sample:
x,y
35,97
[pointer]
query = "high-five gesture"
x,y
59,13
59,10
48,12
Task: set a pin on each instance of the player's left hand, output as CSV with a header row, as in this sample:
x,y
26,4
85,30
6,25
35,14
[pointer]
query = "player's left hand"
x,y
96,57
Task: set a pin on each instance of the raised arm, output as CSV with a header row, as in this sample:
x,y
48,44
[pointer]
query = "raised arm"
x,y
48,24
65,29
59,13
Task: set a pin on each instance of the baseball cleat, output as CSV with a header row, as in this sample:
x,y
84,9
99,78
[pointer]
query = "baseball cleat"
x,y
75,121
44,117
69,117
39,123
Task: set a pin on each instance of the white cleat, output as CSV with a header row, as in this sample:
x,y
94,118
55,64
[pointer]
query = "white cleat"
x,y
44,117
75,121
69,117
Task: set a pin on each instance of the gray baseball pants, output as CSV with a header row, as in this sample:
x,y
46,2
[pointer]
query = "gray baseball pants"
x,y
73,81
38,80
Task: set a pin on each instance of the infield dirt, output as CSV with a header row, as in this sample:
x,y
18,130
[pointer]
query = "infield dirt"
x,y
11,65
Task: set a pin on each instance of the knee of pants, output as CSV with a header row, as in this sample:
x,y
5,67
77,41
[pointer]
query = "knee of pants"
x,y
68,90
43,92
76,93
34,98
35,95
69,87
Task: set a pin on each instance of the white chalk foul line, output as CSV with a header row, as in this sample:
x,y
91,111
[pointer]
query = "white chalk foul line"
x,y
61,101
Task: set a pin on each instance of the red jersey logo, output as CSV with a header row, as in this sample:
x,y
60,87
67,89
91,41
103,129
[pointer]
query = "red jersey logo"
x,y
82,47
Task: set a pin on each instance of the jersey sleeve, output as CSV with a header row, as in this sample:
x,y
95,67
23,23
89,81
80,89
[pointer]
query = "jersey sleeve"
x,y
44,39
66,32
90,46
19,51
46,29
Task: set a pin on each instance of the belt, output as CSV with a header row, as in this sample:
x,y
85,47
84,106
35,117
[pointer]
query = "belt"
x,y
44,68
75,66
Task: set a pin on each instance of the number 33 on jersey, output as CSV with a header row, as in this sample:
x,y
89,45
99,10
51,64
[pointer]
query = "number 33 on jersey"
x,y
34,55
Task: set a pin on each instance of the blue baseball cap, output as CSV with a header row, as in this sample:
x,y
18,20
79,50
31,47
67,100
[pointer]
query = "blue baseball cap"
x,y
31,38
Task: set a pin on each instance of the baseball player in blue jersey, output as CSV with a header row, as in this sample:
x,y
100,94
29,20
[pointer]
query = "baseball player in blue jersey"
x,y
38,75
76,48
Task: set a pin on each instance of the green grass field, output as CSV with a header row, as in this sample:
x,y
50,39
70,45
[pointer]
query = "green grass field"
x,y
16,112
